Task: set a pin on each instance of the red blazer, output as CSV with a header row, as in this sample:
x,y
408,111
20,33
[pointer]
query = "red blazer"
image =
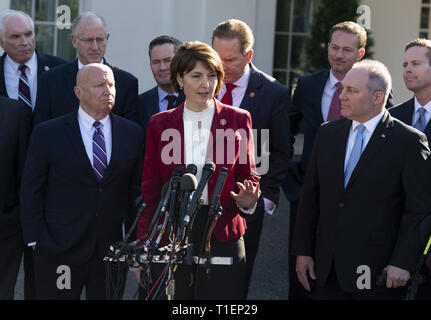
x,y
241,163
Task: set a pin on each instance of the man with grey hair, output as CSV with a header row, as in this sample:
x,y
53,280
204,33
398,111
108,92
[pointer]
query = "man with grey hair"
x,y
365,193
21,65
417,110
90,38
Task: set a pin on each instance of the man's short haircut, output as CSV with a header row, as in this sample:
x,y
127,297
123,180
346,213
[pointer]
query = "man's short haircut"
x,y
234,28
188,54
379,78
77,21
6,13
353,28
421,42
162,40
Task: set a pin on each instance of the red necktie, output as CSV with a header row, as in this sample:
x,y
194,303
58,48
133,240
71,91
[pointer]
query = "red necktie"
x,y
335,108
227,98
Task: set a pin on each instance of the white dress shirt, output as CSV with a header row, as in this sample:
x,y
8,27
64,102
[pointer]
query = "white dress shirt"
x,y
328,92
427,114
80,64
12,75
163,103
370,126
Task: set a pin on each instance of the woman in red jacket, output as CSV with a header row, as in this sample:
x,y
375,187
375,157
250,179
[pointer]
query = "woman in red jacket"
x,y
203,129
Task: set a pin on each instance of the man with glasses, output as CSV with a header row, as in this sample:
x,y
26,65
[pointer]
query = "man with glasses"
x,y
90,38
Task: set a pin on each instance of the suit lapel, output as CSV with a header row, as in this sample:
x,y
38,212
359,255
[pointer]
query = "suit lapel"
x,y
254,84
154,103
117,142
70,78
175,122
320,88
74,133
406,113
379,137
339,153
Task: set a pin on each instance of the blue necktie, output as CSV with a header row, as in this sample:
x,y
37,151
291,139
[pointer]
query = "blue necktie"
x,y
355,154
420,121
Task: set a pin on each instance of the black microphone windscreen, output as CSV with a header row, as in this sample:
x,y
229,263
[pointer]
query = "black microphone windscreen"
x,y
209,165
188,183
178,172
191,168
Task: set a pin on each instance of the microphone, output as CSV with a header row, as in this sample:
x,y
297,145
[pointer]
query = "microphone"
x,y
215,198
191,168
175,182
161,208
207,171
187,185
138,202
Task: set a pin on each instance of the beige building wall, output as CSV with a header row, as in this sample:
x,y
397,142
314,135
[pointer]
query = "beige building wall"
x,y
134,23
393,24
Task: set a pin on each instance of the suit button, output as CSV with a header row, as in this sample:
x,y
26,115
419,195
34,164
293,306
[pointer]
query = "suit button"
x,y
341,205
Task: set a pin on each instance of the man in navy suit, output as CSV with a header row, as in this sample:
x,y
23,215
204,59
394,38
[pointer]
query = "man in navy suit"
x,y
90,38
17,38
163,96
316,100
417,110
80,180
21,63
267,100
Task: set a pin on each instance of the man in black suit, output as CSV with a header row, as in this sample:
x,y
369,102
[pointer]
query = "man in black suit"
x,y
267,100
163,96
17,38
14,136
90,38
365,193
316,100
80,179
417,111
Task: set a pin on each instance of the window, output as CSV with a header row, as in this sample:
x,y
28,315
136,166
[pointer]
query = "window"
x,y
292,28
49,39
425,19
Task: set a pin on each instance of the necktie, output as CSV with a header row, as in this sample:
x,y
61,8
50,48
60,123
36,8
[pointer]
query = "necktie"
x,y
355,154
420,123
335,108
99,151
24,88
227,98
171,101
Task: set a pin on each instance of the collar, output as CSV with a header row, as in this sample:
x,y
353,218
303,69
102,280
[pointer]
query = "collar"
x,y
80,64
162,94
87,121
199,115
332,80
31,63
243,81
371,124
418,105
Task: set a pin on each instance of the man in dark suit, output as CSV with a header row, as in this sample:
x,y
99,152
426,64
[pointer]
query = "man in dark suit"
x,y
163,96
17,38
417,111
80,179
349,226
14,136
90,38
316,100
267,100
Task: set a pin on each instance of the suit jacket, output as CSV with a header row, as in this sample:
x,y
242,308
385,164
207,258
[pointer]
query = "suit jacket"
x,y
267,101
65,209
375,220
306,110
231,224
44,63
404,112
58,98
14,136
149,106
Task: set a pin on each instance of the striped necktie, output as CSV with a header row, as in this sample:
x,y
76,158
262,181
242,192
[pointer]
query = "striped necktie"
x,y
24,87
100,162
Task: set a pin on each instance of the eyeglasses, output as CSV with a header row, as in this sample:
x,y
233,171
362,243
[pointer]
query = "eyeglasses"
x,y
89,41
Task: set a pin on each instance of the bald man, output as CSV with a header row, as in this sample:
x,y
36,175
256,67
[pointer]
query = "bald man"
x,y
80,180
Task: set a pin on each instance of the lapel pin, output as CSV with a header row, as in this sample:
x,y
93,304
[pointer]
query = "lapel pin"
x,y
383,135
46,68
252,94
223,122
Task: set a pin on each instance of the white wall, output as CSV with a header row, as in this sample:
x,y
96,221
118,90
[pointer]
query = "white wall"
x,y
134,23
393,24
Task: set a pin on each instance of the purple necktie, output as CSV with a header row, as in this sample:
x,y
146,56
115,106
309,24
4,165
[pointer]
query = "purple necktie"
x,y
99,152
335,108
